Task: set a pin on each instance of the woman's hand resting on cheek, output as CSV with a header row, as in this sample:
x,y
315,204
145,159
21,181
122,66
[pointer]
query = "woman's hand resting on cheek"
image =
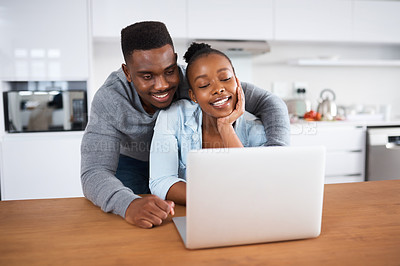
x,y
224,124
236,113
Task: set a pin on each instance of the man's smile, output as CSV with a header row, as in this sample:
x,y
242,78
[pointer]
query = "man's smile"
x,y
163,96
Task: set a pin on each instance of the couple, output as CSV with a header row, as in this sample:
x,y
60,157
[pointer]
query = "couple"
x,y
116,144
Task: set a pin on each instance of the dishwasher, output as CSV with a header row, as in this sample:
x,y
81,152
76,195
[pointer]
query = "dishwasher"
x,y
383,153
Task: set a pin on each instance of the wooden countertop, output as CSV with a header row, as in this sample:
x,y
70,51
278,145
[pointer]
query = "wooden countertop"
x,y
360,226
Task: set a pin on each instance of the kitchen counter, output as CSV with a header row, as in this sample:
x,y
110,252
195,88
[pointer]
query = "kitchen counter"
x,y
360,226
303,127
346,144
348,123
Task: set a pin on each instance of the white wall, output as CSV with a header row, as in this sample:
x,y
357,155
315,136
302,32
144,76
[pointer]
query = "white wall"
x,y
107,57
353,85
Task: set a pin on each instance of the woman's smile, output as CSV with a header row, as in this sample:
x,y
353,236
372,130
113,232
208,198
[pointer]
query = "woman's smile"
x,y
222,102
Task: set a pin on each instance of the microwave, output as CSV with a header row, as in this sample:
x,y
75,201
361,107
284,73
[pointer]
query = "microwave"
x,y
43,111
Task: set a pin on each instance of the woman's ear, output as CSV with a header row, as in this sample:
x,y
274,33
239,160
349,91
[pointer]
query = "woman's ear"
x,y
126,71
192,96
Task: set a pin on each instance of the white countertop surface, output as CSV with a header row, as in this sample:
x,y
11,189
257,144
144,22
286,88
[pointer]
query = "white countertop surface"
x,y
349,123
42,135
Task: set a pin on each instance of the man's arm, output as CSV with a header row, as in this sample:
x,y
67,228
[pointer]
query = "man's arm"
x,y
100,150
99,160
272,111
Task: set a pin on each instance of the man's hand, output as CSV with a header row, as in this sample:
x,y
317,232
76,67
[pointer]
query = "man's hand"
x,y
149,211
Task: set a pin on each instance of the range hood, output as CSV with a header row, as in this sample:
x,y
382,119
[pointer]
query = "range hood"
x,y
238,46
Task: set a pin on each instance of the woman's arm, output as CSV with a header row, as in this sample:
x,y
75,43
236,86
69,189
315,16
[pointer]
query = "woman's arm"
x,y
177,193
164,159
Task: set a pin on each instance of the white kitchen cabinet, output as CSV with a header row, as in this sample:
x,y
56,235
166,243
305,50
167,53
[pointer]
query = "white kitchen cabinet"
x,y
109,17
345,146
230,19
40,165
313,20
377,21
44,40
337,20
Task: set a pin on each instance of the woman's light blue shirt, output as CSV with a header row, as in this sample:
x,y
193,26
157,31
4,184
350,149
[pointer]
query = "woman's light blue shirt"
x,y
177,131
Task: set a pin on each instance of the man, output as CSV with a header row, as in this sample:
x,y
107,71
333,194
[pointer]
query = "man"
x,y
116,144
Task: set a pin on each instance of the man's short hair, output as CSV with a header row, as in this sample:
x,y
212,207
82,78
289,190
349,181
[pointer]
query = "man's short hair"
x,y
144,35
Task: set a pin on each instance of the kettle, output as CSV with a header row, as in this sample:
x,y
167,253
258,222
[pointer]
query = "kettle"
x,y
327,107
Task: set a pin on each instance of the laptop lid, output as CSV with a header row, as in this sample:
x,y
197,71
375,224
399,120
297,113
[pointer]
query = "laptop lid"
x,y
253,195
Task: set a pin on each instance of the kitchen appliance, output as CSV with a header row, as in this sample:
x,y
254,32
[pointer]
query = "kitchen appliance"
x,y
40,111
327,106
383,153
299,105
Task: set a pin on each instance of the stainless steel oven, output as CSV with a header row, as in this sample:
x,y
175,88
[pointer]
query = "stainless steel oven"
x,y
383,153
40,111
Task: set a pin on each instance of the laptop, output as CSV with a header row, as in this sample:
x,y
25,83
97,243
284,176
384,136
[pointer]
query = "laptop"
x,y
244,196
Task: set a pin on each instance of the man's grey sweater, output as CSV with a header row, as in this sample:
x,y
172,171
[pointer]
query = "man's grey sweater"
x,y
118,124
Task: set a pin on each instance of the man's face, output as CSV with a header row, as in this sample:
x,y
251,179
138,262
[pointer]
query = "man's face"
x,y
155,76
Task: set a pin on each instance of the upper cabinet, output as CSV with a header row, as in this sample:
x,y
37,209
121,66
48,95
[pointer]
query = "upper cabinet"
x,y
111,16
313,20
373,21
377,21
230,19
44,40
49,40
280,20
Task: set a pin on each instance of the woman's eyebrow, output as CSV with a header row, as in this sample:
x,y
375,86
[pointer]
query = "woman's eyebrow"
x,y
201,76
219,70
222,69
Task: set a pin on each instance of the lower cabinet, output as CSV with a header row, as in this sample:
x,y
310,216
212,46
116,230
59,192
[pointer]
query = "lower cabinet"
x,y
345,146
47,165
40,165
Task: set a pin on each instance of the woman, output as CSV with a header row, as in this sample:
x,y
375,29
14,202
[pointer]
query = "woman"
x,y
215,118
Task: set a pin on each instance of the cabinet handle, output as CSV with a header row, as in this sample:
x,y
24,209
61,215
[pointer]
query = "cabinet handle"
x,y
345,175
392,146
393,143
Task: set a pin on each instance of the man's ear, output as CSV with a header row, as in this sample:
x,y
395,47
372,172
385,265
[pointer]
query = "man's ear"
x,y
192,96
126,71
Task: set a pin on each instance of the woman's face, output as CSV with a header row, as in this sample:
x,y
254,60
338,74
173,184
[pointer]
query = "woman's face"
x,y
213,85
